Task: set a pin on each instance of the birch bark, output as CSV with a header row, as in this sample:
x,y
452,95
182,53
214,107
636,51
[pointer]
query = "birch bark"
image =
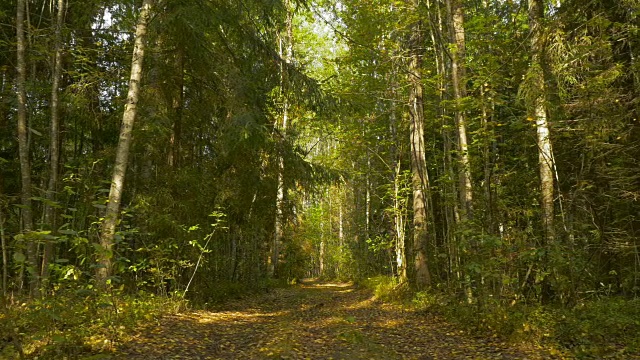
x,y
458,71
538,105
107,236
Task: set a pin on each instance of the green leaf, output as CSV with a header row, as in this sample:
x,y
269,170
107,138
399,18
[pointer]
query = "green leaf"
x,y
58,338
84,292
19,257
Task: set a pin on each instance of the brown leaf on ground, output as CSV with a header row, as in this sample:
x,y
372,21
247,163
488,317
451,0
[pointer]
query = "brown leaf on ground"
x,y
312,321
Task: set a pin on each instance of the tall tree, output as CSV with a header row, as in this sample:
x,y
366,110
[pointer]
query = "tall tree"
x,y
537,104
286,54
418,160
399,200
107,236
23,143
539,108
54,146
458,72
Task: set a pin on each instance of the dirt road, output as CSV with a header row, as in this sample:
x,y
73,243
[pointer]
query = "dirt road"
x,y
311,321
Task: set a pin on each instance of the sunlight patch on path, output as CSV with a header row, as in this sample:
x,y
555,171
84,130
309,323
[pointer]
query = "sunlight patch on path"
x,y
311,321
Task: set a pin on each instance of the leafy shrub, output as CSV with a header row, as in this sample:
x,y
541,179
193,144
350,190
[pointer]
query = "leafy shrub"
x,y
387,288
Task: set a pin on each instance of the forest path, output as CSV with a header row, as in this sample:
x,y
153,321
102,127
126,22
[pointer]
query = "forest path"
x,y
311,321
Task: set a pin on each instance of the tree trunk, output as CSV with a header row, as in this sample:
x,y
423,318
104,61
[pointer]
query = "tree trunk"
x,y
367,196
398,202
490,149
545,152
321,255
5,258
286,53
418,160
456,16
398,219
23,144
173,157
54,146
107,236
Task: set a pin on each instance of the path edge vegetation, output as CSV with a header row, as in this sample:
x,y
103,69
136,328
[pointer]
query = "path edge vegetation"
x,y
483,152
599,328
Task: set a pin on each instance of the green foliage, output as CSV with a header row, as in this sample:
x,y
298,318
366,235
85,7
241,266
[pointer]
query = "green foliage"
x,y
592,329
77,322
386,288
208,138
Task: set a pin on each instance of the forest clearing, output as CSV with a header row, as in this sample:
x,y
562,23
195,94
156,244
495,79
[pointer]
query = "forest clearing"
x,y
461,176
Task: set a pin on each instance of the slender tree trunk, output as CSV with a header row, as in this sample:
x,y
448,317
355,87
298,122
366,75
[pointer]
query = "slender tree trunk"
x,y
23,144
449,193
418,159
458,75
545,152
398,202
458,71
489,154
367,197
177,106
322,250
488,146
286,52
54,146
401,254
5,258
107,236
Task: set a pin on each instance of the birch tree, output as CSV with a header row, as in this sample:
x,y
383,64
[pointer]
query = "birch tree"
x,y
539,108
107,236
537,105
458,71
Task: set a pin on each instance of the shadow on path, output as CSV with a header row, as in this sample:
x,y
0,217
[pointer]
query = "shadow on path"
x,y
310,321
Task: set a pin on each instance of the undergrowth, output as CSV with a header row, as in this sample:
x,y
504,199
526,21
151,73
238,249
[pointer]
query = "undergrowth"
x,y
603,328
86,323
386,288
599,328
76,323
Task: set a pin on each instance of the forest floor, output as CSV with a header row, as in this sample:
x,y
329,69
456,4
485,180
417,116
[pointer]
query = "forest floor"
x,y
312,320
